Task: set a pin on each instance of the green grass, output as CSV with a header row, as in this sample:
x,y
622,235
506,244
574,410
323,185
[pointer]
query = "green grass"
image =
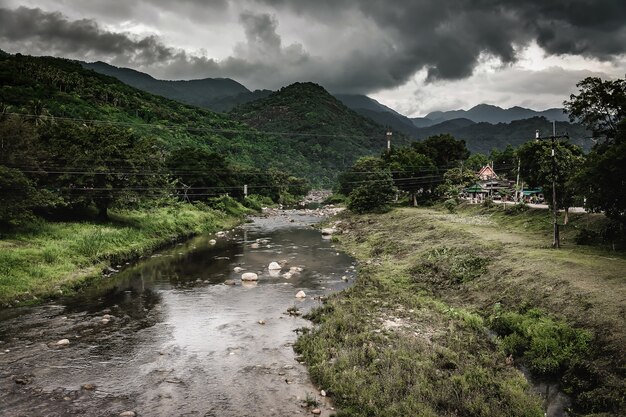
x,y
43,258
441,301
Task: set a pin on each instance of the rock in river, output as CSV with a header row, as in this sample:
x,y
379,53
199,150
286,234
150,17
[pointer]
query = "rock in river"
x,y
328,231
238,269
63,342
274,266
249,276
128,414
300,294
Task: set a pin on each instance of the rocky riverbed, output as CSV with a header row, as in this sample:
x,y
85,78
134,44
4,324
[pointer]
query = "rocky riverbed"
x,y
181,333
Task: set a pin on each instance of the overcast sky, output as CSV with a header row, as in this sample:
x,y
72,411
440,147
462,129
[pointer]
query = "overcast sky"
x,y
414,56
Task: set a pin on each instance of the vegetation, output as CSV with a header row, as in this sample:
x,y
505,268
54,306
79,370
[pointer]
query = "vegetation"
x,y
411,336
44,258
327,135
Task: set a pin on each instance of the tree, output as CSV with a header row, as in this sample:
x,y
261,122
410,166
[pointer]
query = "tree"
x,y
536,168
602,179
412,172
505,162
374,191
455,179
18,196
102,165
476,161
444,150
600,105
364,170
200,173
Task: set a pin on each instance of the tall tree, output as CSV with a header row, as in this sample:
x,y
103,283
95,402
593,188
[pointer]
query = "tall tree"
x,y
375,189
600,105
444,150
412,172
102,165
536,169
200,173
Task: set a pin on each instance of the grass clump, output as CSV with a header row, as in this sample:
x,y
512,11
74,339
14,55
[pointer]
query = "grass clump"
x,y
548,346
445,265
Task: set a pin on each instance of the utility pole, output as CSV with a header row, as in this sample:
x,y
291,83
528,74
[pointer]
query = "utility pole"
x,y
556,243
389,134
517,189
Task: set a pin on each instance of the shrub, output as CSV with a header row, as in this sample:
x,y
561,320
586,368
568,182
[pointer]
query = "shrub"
x,y
488,203
586,237
547,345
371,198
450,204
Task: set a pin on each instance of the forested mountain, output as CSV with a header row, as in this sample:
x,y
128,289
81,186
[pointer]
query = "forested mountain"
x,y
328,136
202,93
490,114
316,124
484,137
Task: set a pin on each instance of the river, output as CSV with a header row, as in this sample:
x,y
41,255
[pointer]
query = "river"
x,y
168,337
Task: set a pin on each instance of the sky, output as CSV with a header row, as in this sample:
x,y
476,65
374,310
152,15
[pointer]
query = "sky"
x,y
413,56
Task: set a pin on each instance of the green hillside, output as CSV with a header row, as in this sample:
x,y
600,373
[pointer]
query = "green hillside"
x,y
319,126
44,87
484,137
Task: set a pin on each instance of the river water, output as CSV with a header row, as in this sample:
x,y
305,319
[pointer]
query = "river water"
x,y
168,337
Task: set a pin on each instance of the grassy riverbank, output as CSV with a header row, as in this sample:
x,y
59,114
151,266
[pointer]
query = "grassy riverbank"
x,y
447,304
46,258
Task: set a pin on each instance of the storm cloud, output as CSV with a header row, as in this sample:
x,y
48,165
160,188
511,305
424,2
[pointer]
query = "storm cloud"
x,y
346,45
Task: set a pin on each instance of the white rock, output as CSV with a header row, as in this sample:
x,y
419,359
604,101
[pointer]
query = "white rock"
x,y
105,321
63,342
287,275
254,246
323,393
212,242
296,269
128,414
274,266
220,234
249,276
300,294
238,269
328,231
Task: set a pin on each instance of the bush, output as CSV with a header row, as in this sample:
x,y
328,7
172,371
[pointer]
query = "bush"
x,y
586,237
450,204
518,208
488,203
547,345
370,199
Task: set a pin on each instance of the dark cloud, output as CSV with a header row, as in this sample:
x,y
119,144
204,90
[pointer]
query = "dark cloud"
x,y
448,37
53,32
362,45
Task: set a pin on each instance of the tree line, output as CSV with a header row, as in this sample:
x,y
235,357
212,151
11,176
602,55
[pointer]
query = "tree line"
x,y
48,165
441,166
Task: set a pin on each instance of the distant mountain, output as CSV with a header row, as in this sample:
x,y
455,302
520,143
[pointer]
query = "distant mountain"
x,y
491,114
318,125
218,94
381,114
483,137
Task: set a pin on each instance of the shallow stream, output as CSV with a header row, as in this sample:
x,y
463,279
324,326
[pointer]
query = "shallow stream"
x,y
168,337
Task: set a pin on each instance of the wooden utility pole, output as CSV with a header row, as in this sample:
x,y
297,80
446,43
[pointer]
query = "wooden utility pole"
x,y
517,189
556,243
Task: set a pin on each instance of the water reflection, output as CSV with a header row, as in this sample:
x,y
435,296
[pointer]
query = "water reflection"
x,y
166,337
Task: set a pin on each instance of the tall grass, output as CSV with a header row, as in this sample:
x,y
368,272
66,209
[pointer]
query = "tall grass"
x,y
44,257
